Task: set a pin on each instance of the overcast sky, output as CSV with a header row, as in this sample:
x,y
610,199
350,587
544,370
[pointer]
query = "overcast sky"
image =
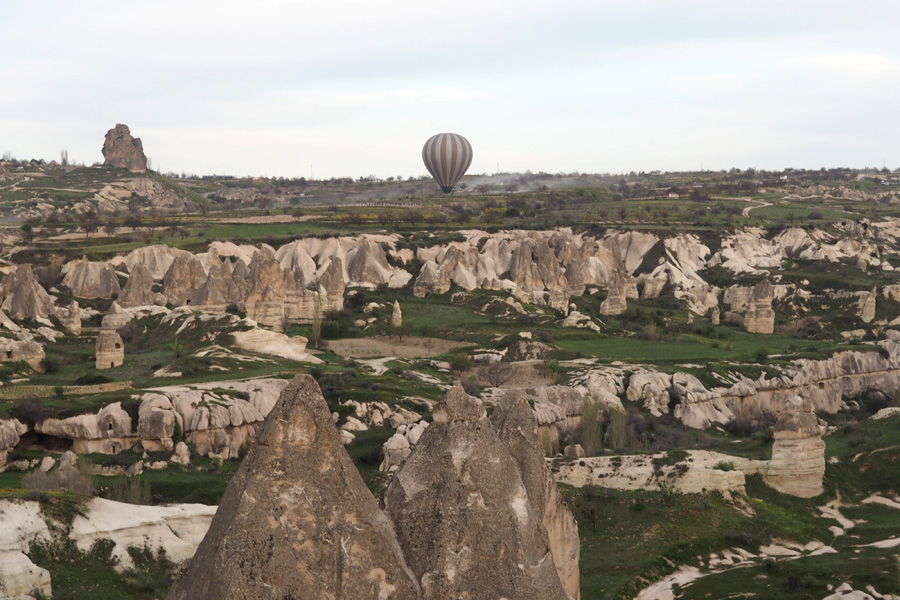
x,y
354,88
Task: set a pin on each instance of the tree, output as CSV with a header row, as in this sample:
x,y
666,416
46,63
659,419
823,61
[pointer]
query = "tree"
x,y
110,227
132,221
461,363
497,373
27,232
90,222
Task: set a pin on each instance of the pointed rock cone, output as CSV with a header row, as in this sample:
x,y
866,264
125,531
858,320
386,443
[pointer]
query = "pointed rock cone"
x,y
297,521
463,514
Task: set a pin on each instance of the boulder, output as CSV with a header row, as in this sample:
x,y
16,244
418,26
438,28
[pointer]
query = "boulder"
x,y
296,520
123,151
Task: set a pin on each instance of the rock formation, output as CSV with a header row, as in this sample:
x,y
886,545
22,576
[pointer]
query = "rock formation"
x,y
332,286
70,318
297,521
397,315
139,289
867,306
86,279
463,514
760,318
107,432
615,303
182,280
10,430
24,297
798,454
116,317
516,425
123,151
26,350
110,349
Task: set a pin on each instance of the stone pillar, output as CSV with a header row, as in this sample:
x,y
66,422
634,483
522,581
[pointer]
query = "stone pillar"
x,y
798,454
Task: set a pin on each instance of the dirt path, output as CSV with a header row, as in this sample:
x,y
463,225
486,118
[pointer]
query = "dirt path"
x,y
759,204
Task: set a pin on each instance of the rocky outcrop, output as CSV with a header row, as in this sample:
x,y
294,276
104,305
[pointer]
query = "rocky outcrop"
x,y
798,454
297,521
109,350
273,343
24,297
218,418
463,514
86,279
116,317
177,530
332,286
867,306
123,151
367,264
24,350
139,289
648,471
107,432
70,318
157,259
182,280
760,318
615,302
10,431
515,423
397,315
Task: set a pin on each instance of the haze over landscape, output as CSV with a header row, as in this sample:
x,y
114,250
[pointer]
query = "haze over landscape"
x,y
353,88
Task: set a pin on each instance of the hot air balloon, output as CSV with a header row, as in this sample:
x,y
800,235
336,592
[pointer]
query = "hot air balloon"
x,y
447,156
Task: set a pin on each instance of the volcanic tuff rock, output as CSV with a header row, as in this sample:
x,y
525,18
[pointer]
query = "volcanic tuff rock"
x,y
516,426
86,279
798,454
183,279
157,259
123,151
867,306
615,303
760,318
464,516
139,289
24,297
70,318
107,432
297,521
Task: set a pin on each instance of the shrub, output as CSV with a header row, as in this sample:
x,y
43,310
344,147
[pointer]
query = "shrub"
x,y
724,465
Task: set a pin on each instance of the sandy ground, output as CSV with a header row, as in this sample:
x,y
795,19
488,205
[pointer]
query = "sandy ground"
x,y
410,347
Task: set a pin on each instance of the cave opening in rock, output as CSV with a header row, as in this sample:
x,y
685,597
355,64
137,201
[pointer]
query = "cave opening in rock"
x,y
34,440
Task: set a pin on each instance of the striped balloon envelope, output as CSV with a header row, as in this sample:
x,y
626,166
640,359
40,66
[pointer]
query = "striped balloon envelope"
x,y
447,156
